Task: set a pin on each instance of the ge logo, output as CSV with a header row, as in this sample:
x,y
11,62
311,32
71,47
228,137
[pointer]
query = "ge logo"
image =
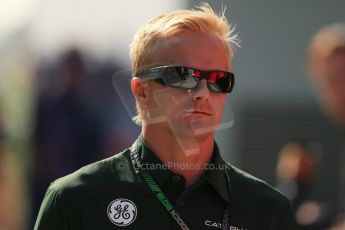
x,y
122,212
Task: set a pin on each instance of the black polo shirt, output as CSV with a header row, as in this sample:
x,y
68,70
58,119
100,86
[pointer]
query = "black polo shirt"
x,y
111,194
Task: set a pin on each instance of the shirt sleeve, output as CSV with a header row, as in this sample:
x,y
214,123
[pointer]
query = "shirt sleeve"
x,y
51,215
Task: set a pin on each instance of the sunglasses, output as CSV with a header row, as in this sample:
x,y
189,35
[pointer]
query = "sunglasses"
x,y
218,81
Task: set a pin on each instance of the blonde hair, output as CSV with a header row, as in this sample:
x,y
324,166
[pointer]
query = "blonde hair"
x,y
149,38
323,44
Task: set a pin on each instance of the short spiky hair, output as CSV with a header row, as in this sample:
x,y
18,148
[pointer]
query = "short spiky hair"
x,y
144,49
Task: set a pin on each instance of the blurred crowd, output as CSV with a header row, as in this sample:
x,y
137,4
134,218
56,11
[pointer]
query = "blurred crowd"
x,y
76,118
298,161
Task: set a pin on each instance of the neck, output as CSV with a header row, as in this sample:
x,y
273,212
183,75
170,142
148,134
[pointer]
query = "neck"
x,y
184,155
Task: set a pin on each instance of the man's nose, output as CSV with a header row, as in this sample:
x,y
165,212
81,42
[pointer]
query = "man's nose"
x,y
201,91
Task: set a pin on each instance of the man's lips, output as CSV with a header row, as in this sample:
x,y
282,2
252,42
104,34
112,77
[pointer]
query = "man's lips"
x,y
198,112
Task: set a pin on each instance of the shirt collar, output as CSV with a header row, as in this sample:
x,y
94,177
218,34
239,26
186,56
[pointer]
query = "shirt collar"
x,y
215,175
151,162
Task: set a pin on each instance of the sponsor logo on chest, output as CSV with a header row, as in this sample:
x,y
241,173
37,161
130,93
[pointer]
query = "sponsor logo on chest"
x,y
215,224
122,212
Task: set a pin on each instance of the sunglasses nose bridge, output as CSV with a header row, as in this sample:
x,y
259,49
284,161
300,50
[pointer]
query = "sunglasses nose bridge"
x,y
203,75
200,91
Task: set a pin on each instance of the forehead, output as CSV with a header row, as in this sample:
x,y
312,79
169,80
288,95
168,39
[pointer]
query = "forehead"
x,y
194,49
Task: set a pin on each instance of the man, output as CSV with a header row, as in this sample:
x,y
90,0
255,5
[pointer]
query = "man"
x,y
326,65
173,177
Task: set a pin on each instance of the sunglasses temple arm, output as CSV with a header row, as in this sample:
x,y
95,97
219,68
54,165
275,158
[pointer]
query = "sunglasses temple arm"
x,y
151,74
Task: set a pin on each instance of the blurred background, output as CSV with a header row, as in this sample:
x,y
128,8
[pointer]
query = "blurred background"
x,y
59,110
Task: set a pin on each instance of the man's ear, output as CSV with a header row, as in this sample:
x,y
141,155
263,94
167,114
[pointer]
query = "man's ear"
x,y
139,89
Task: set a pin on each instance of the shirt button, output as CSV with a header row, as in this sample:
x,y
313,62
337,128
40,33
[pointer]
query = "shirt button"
x,y
176,178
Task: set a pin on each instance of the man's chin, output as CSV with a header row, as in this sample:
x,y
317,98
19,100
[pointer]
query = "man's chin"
x,y
203,126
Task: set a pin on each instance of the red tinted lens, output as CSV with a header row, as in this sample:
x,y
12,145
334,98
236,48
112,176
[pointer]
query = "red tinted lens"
x,y
197,74
214,76
220,75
